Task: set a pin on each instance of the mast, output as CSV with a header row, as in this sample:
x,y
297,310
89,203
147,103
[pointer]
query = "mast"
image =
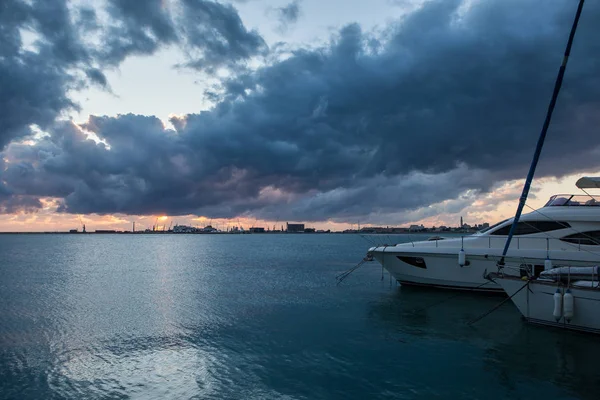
x,y
540,143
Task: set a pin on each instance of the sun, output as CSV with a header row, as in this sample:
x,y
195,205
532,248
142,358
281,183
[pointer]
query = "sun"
x,y
163,218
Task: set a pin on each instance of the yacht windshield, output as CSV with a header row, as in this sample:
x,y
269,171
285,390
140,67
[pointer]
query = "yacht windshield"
x,y
493,226
569,200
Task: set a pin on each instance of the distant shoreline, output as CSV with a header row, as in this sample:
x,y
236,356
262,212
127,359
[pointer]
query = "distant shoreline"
x,y
233,233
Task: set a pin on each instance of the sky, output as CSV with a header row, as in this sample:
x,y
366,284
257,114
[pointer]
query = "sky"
x,y
260,112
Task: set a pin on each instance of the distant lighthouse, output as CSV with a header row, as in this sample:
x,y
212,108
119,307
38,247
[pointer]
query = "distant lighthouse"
x,y
461,222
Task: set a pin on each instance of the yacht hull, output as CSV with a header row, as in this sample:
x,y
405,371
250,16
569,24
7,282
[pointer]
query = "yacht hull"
x,y
436,264
536,304
440,271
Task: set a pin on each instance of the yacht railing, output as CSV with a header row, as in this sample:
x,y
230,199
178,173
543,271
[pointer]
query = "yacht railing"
x,y
587,277
497,242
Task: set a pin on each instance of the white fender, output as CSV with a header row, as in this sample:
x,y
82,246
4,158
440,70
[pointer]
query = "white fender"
x,y
462,258
568,305
557,305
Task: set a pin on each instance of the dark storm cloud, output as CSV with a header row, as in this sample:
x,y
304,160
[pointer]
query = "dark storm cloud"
x,y
97,76
14,204
216,36
450,100
212,33
138,27
10,202
430,99
34,84
48,48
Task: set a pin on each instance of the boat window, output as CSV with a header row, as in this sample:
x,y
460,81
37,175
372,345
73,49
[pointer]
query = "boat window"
x,y
557,201
529,227
416,261
591,238
489,228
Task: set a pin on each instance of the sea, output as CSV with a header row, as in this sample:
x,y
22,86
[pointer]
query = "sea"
x,y
260,317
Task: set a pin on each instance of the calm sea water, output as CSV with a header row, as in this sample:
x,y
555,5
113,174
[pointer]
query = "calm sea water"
x,y
259,317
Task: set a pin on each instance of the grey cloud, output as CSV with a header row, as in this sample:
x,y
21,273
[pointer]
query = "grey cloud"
x,y
34,83
60,41
291,12
16,204
138,28
379,197
211,33
216,36
288,14
97,76
32,93
11,202
152,14
87,20
35,80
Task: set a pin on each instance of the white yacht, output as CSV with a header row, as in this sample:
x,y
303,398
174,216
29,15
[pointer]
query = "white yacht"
x,y
565,297
566,231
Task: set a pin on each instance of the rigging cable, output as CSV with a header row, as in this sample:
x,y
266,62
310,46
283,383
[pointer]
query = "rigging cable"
x,y
540,143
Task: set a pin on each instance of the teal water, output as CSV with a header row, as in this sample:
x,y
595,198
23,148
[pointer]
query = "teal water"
x,y
259,317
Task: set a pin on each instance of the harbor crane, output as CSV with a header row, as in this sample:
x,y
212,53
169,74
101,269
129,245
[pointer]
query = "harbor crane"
x,y
82,224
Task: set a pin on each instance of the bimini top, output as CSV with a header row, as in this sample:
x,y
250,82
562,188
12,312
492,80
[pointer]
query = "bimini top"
x,y
588,182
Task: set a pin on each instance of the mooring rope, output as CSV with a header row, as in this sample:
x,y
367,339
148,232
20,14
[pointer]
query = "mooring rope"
x,y
340,277
498,306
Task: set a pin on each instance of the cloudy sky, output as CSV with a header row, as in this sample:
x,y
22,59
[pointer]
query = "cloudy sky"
x,y
386,112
